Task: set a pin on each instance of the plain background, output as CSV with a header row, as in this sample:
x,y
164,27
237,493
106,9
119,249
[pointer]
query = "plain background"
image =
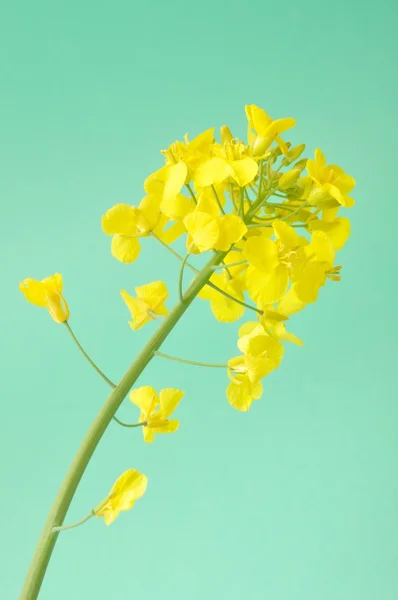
x,y
296,500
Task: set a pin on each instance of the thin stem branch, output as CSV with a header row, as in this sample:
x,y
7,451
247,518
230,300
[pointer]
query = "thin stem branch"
x,y
73,525
209,283
192,193
86,356
191,362
217,199
181,277
142,424
228,265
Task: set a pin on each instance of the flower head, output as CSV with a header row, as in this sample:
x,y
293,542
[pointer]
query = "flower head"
x,y
148,304
47,293
156,409
331,180
130,486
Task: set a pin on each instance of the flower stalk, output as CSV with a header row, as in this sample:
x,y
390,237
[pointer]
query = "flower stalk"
x,y
68,488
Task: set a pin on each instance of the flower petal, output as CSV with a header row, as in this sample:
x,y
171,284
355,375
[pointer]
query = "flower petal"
x,y
145,398
169,399
121,219
231,230
175,179
125,249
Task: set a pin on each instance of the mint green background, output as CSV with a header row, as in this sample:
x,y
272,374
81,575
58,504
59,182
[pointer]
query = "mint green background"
x,y
297,500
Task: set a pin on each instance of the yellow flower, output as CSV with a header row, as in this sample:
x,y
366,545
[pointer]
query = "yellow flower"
x,y
230,161
337,228
241,391
182,161
126,224
130,486
330,179
224,309
148,304
272,263
266,130
262,353
47,293
273,322
319,267
209,232
156,410
290,303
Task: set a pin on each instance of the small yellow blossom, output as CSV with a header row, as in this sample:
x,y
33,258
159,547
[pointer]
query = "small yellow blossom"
x,y
208,232
241,391
148,304
262,352
272,263
126,224
130,486
319,267
337,228
47,293
266,130
273,322
156,410
230,161
330,179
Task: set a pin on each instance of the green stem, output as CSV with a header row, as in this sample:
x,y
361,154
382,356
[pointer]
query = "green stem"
x,y
191,362
181,277
217,199
209,283
228,265
73,525
190,190
86,356
68,488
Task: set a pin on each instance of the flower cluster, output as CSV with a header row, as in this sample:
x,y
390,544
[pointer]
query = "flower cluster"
x,y
273,216
269,219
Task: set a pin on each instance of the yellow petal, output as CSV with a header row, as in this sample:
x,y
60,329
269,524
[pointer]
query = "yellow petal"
x,y
175,179
149,435
338,230
148,213
267,288
311,280
169,399
34,291
139,310
285,336
177,207
145,398
154,294
321,247
125,249
241,392
121,219
211,172
203,228
130,486
168,235
168,427
231,230
262,253
226,310
290,303
257,118
243,171
286,234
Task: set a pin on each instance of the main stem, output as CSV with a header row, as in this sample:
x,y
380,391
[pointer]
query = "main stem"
x,y
68,488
